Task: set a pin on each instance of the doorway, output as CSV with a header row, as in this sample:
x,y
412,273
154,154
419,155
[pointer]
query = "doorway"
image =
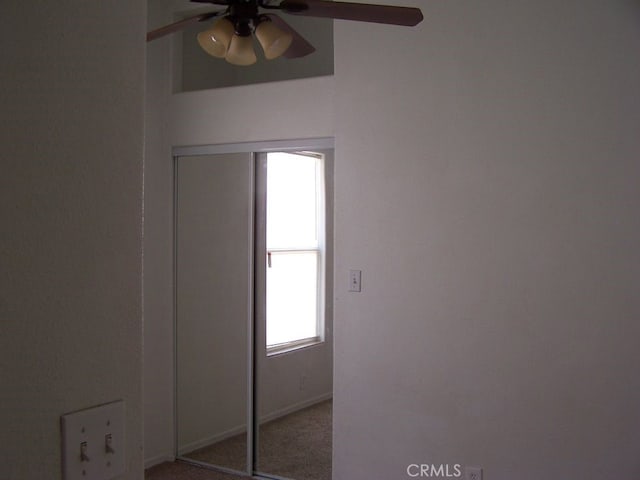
x,y
245,403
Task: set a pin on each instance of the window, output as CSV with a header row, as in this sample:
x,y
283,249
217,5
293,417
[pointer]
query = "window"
x,y
295,251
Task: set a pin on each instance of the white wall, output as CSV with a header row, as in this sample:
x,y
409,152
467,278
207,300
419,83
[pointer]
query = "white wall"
x,y
496,145
294,109
71,132
273,111
487,186
158,249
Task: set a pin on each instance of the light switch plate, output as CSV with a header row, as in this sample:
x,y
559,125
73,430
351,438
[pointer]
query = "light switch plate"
x,y
355,280
473,473
93,443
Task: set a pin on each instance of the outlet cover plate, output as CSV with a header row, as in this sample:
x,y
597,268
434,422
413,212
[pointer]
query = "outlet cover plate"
x,y
473,473
92,427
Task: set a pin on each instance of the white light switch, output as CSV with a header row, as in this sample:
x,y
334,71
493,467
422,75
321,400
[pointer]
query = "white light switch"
x,y
355,278
93,443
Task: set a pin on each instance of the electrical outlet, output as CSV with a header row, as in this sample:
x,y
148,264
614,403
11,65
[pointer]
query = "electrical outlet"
x,y
473,473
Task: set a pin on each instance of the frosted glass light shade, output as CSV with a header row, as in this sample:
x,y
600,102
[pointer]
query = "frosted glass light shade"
x,y
273,40
241,51
215,41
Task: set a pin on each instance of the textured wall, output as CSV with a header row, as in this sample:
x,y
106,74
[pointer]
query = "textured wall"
x,y
71,130
487,186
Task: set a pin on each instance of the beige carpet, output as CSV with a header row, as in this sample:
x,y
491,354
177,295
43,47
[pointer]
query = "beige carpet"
x,y
296,446
183,471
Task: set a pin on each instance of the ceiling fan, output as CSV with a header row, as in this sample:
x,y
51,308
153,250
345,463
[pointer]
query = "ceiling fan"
x,y
230,36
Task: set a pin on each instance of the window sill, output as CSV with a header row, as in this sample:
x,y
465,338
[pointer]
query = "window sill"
x,y
289,347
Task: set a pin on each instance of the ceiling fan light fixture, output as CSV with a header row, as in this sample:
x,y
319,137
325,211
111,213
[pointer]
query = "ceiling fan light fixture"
x,y
273,40
241,51
231,37
217,39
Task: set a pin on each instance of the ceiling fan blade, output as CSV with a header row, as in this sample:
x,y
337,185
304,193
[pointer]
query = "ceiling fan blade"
x,y
299,46
214,2
179,25
363,12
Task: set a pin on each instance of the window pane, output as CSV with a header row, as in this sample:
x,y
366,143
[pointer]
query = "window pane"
x,y
292,297
291,203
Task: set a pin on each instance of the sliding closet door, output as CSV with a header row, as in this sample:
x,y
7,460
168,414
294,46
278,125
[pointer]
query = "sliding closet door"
x,y
214,234
294,314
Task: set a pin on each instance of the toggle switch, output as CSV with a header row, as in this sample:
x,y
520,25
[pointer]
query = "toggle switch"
x,y
108,443
83,452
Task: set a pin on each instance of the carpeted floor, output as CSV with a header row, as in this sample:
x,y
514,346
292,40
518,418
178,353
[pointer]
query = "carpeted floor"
x,y
297,446
183,471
